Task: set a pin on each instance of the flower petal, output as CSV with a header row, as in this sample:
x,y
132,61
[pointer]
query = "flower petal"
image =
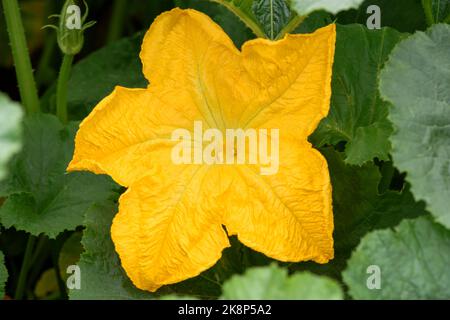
x,y
185,50
287,216
127,135
292,78
167,230
269,83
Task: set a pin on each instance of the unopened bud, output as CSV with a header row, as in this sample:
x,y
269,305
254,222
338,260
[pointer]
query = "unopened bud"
x,y
71,27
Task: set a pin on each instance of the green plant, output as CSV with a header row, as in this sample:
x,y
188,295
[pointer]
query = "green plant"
x,y
385,139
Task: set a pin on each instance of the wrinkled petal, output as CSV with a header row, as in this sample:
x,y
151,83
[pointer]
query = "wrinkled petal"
x,y
128,134
291,81
168,231
285,83
287,216
186,51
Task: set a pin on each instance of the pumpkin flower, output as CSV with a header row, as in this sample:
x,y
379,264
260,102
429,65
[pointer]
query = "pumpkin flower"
x,y
174,219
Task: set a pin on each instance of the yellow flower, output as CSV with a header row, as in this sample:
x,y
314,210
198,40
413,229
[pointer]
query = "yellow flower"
x,y
174,220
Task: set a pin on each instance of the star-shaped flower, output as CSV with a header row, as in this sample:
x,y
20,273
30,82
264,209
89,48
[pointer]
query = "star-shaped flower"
x,y
174,220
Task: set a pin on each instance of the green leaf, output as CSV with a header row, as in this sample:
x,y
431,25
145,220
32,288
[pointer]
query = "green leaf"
x,y
441,10
243,9
402,15
305,7
272,282
314,21
95,76
436,10
358,208
357,115
272,15
266,18
416,80
229,22
413,260
3,276
42,197
10,131
102,277
70,253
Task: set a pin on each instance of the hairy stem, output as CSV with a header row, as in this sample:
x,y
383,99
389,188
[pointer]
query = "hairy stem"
x,y
61,88
24,72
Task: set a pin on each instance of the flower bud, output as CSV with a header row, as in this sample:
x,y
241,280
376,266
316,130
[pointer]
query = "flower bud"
x,y
71,27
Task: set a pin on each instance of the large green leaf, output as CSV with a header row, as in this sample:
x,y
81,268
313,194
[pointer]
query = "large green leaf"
x,y
305,7
3,275
413,260
357,115
402,15
272,15
357,205
273,283
417,80
42,197
358,208
10,131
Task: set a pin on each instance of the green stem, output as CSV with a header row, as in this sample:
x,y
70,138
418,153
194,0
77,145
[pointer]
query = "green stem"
x,y
61,88
244,18
41,242
119,13
27,86
428,9
25,268
40,256
290,26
